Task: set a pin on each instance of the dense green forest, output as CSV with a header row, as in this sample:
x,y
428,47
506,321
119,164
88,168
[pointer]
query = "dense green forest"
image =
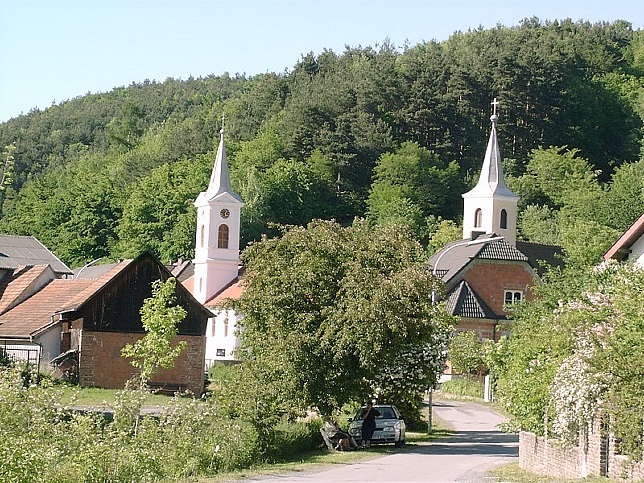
x,y
393,135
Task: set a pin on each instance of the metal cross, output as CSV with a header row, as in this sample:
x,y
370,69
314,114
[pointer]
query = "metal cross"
x,y
495,103
223,120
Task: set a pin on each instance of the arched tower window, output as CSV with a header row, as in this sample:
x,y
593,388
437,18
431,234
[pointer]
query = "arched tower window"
x,y
222,238
202,237
478,218
504,219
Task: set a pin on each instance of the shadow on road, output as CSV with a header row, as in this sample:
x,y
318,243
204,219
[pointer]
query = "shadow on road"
x,y
484,443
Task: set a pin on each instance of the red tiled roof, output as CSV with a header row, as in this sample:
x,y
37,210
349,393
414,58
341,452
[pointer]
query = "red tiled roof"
x,y
36,313
620,248
14,286
93,286
233,291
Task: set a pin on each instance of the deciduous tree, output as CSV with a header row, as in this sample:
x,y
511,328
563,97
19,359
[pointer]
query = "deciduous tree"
x,y
336,314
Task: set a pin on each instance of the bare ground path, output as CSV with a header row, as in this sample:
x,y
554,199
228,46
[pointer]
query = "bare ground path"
x,y
467,456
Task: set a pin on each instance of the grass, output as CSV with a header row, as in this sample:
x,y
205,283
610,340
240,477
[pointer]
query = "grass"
x,y
318,459
97,397
512,473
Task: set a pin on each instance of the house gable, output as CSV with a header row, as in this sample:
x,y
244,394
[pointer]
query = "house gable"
x,y
115,302
630,245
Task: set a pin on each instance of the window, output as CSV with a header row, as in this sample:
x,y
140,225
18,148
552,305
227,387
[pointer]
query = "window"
x,y
214,325
478,218
513,296
226,327
221,352
504,219
222,240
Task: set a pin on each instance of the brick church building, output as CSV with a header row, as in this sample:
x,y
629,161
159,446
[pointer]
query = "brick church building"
x,y
489,268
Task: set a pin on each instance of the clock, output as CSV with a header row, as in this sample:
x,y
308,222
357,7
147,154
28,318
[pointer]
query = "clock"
x,y
225,213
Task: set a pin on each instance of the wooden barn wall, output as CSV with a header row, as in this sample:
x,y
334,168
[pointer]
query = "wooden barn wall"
x,y
116,308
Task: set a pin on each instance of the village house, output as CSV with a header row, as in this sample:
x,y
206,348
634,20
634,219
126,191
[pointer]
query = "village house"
x,y
630,246
78,326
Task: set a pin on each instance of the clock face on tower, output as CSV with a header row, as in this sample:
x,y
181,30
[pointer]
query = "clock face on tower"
x,y
225,213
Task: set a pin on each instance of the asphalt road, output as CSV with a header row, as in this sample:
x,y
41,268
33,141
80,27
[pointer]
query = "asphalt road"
x,y
476,447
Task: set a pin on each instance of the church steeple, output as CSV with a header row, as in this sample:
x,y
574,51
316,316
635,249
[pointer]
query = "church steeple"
x,y
219,179
218,228
491,207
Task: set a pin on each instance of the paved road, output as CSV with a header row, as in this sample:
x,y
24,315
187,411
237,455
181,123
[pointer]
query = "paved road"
x,y
475,448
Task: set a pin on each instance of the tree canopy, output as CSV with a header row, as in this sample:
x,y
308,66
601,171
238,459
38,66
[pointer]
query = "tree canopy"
x,y
325,138
335,314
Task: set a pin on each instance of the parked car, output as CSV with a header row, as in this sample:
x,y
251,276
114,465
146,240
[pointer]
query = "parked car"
x,y
390,426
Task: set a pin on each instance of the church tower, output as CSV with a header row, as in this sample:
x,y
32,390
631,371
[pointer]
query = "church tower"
x,y
218,225
490,207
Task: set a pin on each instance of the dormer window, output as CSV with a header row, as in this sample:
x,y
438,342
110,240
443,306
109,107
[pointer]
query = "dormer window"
x,y
222,238
478,218
504,219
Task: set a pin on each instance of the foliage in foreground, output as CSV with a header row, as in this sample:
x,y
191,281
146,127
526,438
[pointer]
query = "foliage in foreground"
x,y
42,441
577,351
160,319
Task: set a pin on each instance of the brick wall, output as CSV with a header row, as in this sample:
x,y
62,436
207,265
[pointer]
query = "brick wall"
x,y
101,365
490,279
591,458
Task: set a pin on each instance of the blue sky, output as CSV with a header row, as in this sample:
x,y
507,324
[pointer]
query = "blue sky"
x,y
54,50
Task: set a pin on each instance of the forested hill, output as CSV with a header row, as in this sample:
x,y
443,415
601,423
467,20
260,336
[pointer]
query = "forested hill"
x,y
393,135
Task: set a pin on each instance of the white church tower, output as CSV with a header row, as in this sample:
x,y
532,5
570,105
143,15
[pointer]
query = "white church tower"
x,y
490,207
218,224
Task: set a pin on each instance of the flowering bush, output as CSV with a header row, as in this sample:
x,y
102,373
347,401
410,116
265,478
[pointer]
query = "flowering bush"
x,y
576,352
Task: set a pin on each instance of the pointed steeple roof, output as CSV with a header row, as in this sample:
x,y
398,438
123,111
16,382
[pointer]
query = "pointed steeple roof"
x,y
220,179
491,181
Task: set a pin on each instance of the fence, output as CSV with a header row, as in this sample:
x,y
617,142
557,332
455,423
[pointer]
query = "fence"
x,y
28,353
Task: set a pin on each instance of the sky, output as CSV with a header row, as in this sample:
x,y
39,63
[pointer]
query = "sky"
x,y
55,50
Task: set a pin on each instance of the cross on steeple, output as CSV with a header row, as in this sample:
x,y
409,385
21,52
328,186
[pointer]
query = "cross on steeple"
x,y
223,121
494,103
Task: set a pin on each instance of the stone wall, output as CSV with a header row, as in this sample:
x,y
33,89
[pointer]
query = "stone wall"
x,y
593,457
101,365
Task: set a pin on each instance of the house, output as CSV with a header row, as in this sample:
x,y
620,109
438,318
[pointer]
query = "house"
x,y
82,324
630,246
489,268
26,265
215,274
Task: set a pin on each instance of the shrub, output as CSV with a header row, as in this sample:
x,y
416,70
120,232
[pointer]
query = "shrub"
x,y
292,438
463,387
41,441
